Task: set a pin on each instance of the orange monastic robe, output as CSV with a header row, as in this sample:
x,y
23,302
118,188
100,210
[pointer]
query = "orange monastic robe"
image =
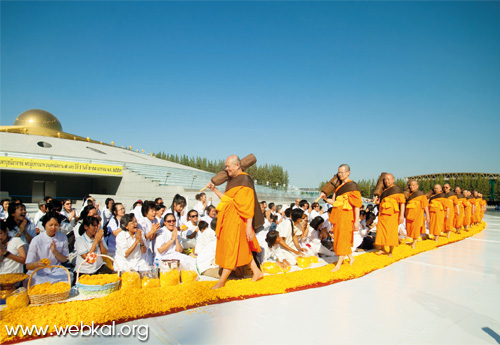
x,y
342,217
452,201
459,218
388,218
233,250
474,210
467,212
415,215
483,204
437,210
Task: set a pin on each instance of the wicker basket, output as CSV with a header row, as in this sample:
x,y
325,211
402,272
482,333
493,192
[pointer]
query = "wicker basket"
x,y
49,297
97,290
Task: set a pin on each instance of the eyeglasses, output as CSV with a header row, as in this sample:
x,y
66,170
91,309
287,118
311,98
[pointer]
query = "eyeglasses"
x,y
68,203
170,221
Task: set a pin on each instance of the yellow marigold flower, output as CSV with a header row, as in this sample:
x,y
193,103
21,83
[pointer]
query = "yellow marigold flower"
x,y
12,278
47,288
18,300
169,278
188,276
131,280
150,282
99,279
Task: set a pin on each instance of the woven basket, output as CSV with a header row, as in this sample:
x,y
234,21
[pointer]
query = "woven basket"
x,y
97,290
49,297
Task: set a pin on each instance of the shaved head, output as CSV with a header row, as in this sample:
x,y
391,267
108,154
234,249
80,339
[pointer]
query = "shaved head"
x,y
437,188
389,180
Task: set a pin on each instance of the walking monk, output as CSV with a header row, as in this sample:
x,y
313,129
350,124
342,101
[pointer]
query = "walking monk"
x,y
416,209
344,216
439,212
459,218
239,214
453,205
391,214
469,206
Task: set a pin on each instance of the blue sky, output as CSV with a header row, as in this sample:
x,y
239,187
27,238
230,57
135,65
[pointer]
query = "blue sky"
x,y
406,87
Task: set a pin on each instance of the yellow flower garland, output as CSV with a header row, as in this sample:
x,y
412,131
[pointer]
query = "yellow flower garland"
x,y
169,299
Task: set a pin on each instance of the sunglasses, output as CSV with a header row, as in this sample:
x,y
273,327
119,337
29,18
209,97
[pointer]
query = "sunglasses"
x,y
194,216
170,221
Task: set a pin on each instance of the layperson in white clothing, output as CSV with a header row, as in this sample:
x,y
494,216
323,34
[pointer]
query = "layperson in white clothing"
x,y
12,252
91,241
4,205
178,205
285,230
50,244
205,236
168,244
160,211
42,209
68,211
189,232
149,226
274,253
316,234
211,213
316,211
130,246
18,225
137,210
202,204
114,229
89,210
107,213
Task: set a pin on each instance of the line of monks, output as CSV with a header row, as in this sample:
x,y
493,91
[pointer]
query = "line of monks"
x,y
443,209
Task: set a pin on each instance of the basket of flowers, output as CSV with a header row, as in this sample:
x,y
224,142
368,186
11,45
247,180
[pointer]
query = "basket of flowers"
x,y
47,292
98,285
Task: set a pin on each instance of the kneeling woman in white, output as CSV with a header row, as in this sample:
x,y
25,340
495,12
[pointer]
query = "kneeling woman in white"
x,y
50,244
274,253
168,244
130,246
91,240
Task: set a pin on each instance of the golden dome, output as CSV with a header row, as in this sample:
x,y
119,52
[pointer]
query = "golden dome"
x,y
38,118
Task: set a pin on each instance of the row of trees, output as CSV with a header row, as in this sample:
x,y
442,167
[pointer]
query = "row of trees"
x,y
272,175
481,184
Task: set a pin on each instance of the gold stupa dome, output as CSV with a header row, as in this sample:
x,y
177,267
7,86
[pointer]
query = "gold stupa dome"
x,y
38,118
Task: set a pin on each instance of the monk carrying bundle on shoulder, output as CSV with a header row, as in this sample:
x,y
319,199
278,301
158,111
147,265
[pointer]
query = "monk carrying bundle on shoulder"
x,y
239,214
391,213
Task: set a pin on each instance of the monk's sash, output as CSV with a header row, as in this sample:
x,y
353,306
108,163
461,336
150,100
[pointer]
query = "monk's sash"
x,y
460,196
414,195
391,191
389,205
435,206
341,196
244,180
449,194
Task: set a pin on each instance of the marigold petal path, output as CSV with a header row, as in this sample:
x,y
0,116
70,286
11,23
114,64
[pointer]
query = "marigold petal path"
x,y
130,304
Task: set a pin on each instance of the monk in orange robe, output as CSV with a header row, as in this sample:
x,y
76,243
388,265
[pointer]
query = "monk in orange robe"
x,y
439,211
459,218
468,205
344,216
453,208
483,205
391,213
473,201
239,214
417,211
